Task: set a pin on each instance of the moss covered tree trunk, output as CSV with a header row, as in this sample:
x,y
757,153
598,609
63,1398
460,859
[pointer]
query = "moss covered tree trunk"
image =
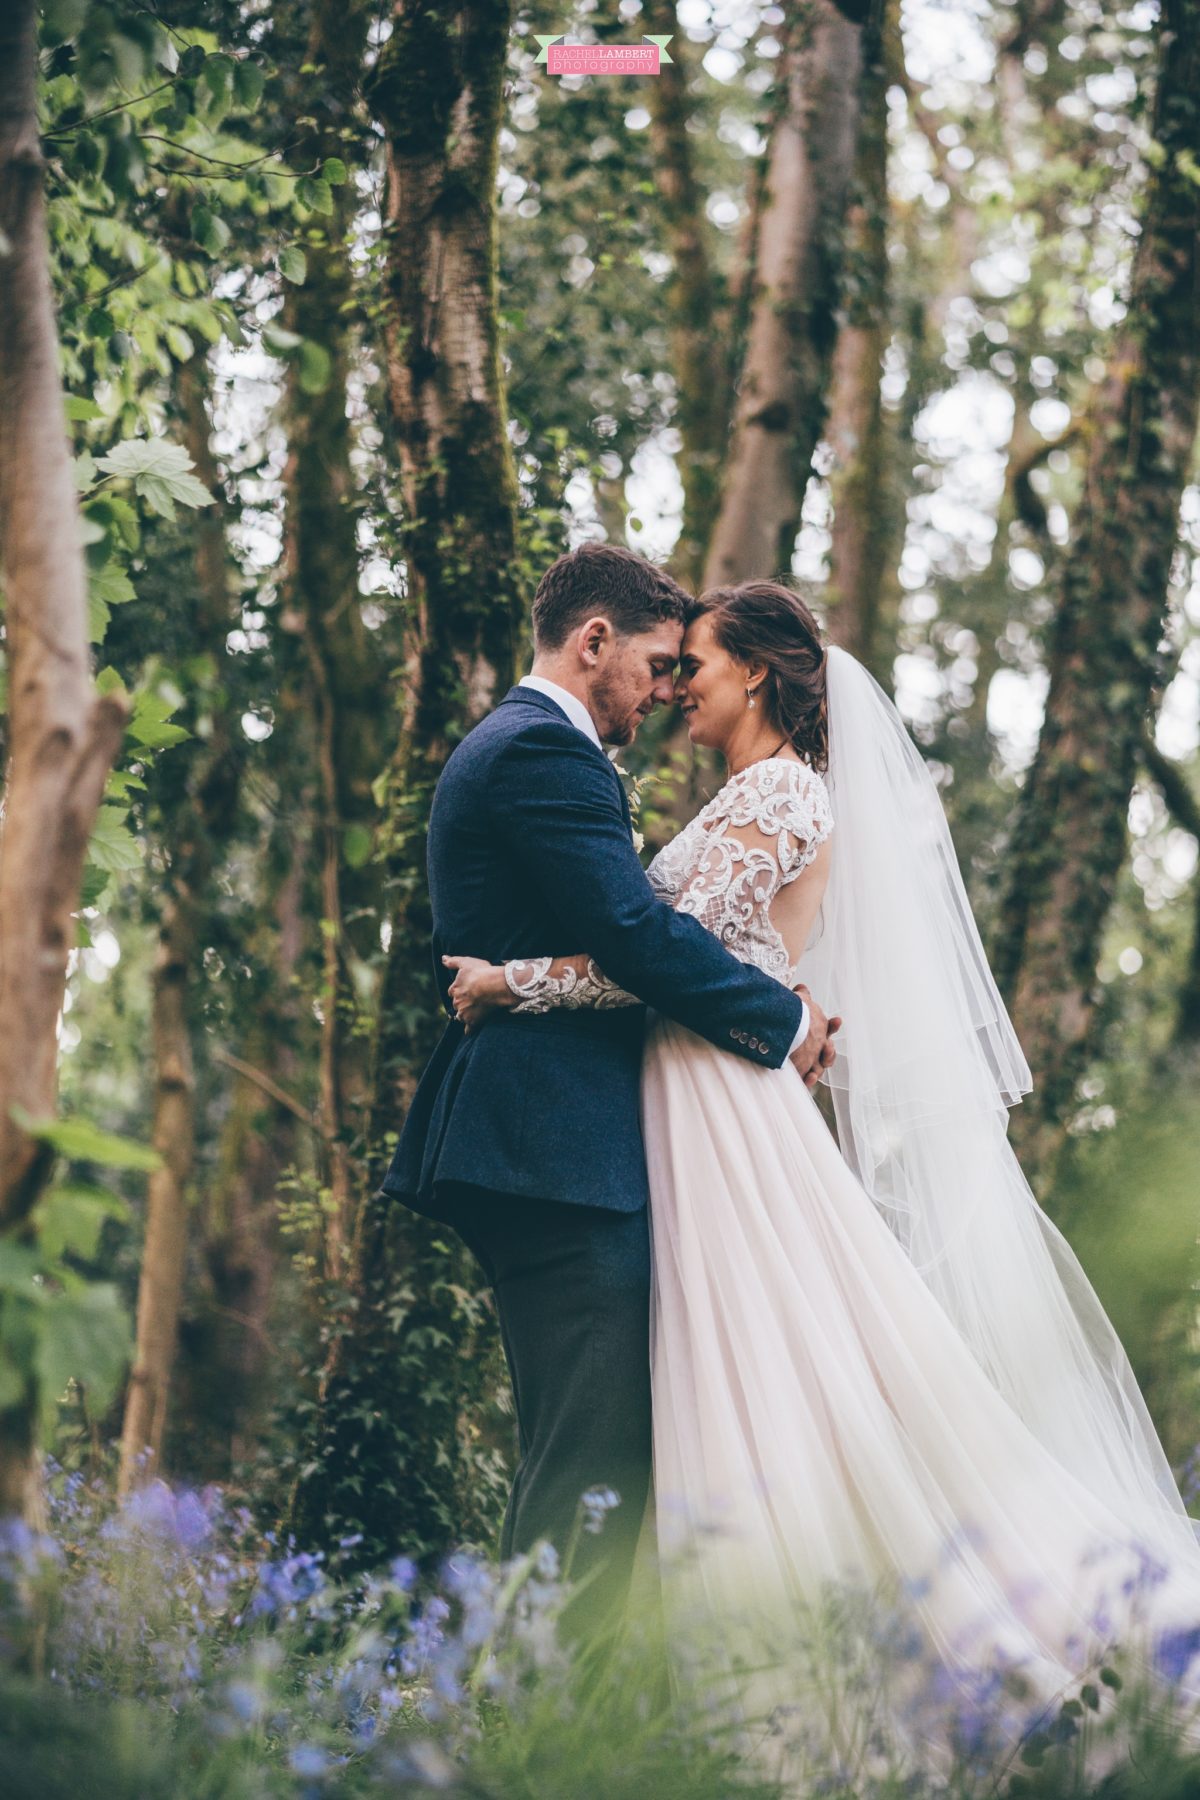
x,y
346,694
198,824
783,385
697,302
1070,834
390,1441
866,524
62,736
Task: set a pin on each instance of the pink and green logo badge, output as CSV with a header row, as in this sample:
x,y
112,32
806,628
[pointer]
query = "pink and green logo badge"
x,y
562,58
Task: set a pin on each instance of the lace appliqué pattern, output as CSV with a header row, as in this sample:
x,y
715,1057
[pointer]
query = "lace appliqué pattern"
x,y
538,989
709,871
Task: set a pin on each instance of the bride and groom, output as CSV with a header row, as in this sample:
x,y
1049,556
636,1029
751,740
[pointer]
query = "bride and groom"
x,y
869,1357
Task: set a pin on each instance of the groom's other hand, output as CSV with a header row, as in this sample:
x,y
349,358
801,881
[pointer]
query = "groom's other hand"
x,y
818,1051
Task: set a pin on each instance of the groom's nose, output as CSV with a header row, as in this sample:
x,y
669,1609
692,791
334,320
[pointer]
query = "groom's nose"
x,y
663,690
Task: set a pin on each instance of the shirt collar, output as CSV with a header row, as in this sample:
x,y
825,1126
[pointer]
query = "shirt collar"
x,y
575,710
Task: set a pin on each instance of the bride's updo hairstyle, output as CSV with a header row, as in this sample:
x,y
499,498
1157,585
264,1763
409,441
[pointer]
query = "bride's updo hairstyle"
x,y
765,622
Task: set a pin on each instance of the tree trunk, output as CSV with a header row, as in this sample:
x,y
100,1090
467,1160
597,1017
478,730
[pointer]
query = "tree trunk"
x,y
203,817
780,410
387,1458
1070,834
1184,807
347,687
62,735
697,306
865,525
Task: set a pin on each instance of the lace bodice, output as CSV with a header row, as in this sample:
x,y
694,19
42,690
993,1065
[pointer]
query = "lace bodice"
x,y
726,868
728,864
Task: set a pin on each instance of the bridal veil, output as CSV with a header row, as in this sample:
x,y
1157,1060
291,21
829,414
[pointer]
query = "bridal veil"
x,y
928,1064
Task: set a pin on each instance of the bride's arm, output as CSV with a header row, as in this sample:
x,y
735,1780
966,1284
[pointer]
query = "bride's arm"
x,y
530,985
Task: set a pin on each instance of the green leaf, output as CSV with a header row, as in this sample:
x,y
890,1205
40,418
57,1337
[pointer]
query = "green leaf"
x,y
80,1140
333,170
94,886
114,587
293,264
316,366
149,726
109,681
85,1337
110,846
180,344
12,1384
316,194
71,1217
159,472
98,616
63,19
356,845
19,1263
79,408
209,230
279,340
85,473
248,82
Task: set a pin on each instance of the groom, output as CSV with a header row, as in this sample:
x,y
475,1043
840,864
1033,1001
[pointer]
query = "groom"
x,y
525,1134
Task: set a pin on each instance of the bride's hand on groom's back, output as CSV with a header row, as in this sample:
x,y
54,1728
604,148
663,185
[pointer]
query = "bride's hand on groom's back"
x,y
818,1051
478,988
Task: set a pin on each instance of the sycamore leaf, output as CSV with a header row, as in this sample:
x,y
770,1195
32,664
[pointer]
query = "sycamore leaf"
x,y
111,846
159,471
98,617
80,409
149,726
113,586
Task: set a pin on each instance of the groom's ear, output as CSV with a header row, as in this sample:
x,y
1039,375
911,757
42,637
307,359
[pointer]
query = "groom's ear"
x,y
593,637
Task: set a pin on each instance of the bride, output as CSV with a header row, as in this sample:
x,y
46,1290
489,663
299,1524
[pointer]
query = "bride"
x,y
874,1358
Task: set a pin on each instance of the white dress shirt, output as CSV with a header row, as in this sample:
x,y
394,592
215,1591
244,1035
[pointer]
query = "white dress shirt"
x,y
582,719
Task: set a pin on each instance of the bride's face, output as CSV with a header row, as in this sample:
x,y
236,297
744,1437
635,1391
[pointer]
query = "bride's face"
x,y
710,689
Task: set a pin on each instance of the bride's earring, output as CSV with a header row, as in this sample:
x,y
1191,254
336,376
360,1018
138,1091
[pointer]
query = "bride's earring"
x,y
749,696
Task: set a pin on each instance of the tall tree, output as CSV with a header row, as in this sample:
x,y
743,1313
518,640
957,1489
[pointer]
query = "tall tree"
x,y
783,384
388,1448
866,519
346,702
199,824
62,735
697,302
1070,832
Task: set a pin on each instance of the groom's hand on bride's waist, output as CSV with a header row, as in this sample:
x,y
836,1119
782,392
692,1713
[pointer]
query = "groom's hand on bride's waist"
x,y
816,1053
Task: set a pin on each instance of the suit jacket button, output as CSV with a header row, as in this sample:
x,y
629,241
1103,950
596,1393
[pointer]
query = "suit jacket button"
x,y
754,1043
764,1048
733,1032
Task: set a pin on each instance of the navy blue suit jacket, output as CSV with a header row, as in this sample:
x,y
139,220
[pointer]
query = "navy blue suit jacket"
x,y
531,854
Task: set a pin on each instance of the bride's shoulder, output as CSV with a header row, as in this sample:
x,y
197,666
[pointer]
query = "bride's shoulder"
x,y
777,793
775,776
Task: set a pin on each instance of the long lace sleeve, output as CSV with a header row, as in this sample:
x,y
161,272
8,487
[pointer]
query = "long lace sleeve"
x,y
544,982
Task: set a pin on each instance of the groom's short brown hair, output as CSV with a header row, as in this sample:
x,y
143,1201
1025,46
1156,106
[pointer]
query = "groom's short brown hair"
x,y
605,579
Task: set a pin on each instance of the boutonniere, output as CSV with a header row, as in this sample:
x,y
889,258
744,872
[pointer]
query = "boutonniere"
x,y
633,785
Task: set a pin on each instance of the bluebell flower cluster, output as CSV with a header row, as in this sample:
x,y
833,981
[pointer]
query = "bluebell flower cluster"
x,y
456,1679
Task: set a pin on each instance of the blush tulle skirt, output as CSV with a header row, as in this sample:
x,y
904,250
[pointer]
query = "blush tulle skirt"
x,y
821,1427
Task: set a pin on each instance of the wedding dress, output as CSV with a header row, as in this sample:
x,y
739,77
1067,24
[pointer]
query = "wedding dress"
x,y
837,1397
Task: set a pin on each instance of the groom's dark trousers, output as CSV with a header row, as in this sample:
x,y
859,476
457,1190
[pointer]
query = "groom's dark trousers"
x,y
525,1134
